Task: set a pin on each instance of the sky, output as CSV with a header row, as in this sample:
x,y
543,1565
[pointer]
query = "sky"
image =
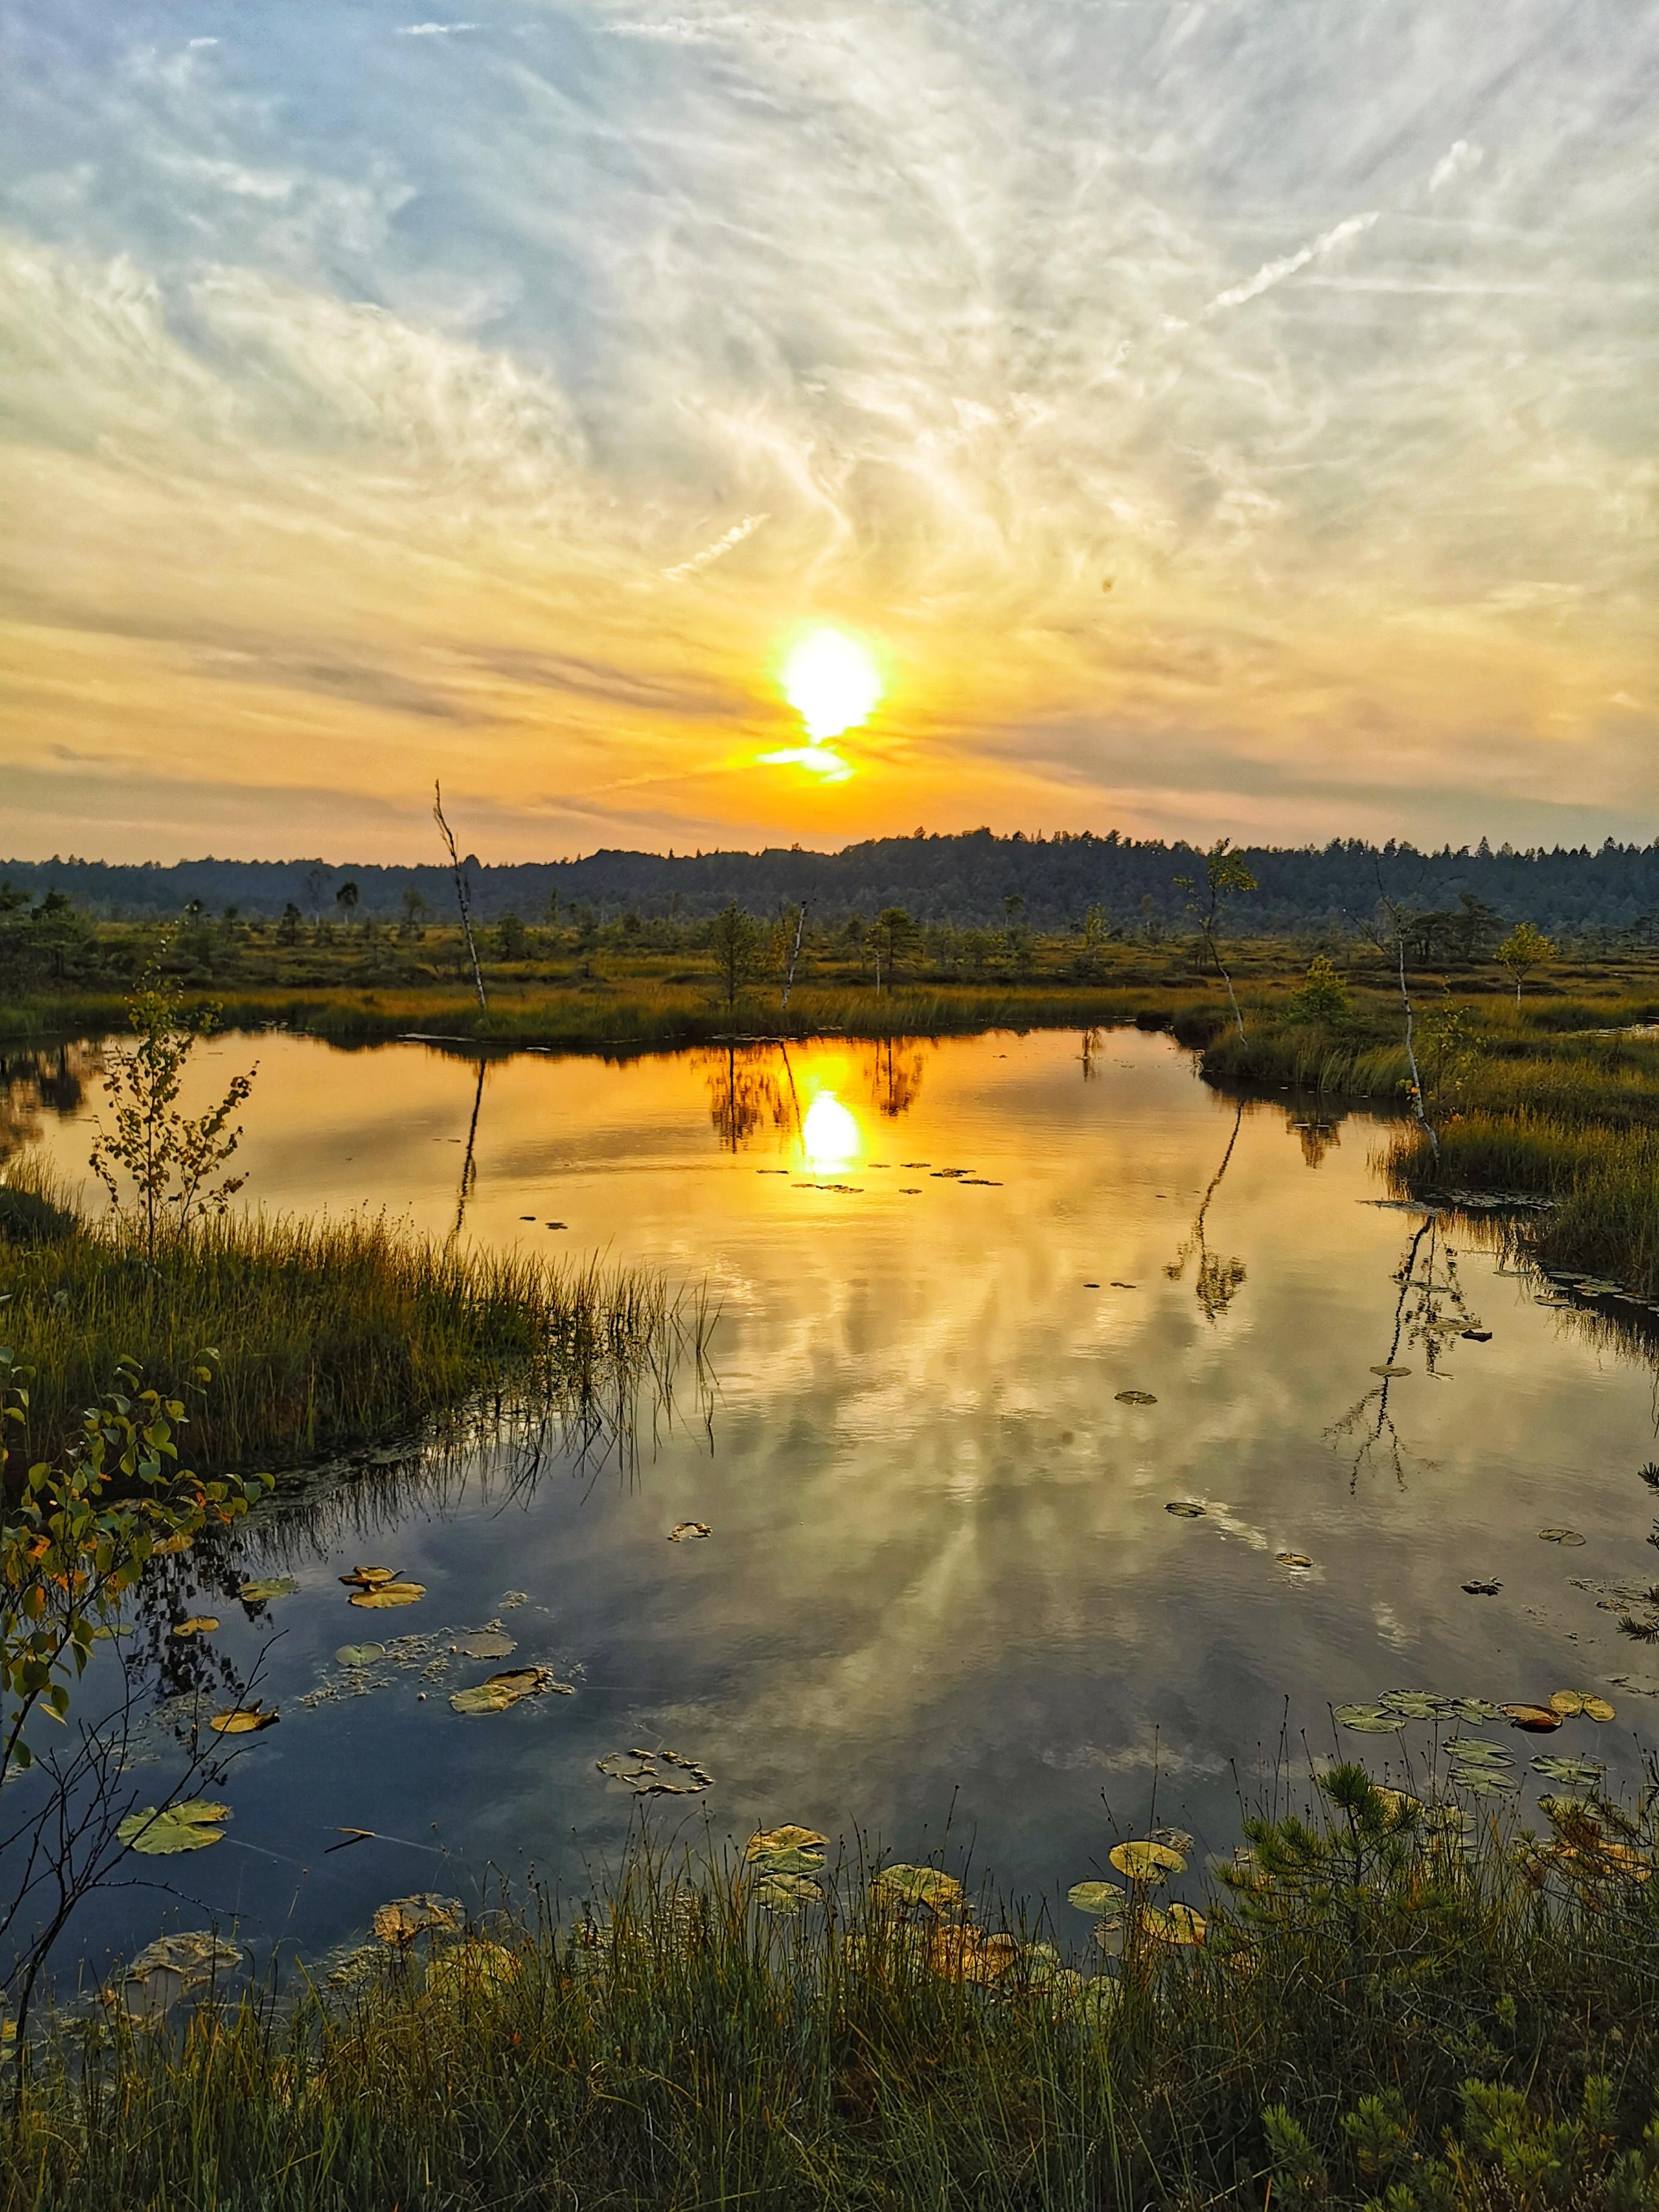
x,y
1208,416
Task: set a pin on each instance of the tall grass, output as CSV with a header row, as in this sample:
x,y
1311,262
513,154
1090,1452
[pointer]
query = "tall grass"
x,y
328,1333
1377,2009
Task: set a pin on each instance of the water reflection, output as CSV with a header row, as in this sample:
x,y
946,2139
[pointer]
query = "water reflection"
x,y
39,1082
940,1561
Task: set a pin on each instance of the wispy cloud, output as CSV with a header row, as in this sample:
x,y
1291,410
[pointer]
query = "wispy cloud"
x,y
945,317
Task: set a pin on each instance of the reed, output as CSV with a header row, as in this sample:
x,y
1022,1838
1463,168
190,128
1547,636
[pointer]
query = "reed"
x,y
1381,2014
329,1334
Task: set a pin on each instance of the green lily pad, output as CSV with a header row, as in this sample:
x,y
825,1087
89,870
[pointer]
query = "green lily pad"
x,y
1103,1900
787,1859
1411,1705
1576,1773
190,1827
484,1644
765,1842
1480,1781
1368,1720
360,1655
273,1586
916,1885
784,1891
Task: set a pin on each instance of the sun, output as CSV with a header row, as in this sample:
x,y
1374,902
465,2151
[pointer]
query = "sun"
x,y
833,684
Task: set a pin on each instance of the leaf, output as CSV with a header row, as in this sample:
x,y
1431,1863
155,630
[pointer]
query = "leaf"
x,y
788,1858
1136,1398
1387,1369
1576,1773
406,1918
243,1720
786,1891
786,1838
1172,1923
273,1586
484,1644
369,1577
199,1623
916,1885
1597,1709
194,1956
1411,1705
503,1690
1483,1589
190,1827
1177,1838
1474,1751
1568,1536
1480,1781
1145,1861
963,1954
1539,1720
1103,1900
382,1596
1298,1559
360,1655
682,1530
1186,1508
1368,1720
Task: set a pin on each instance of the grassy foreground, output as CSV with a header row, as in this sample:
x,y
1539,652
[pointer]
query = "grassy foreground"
x,y
329,1334
1382,2014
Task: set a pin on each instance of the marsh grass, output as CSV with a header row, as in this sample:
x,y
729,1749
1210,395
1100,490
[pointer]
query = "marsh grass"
x,y
671,2047
329,1334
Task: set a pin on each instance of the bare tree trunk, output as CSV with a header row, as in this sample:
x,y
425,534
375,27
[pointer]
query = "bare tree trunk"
x,y
1418,1100
459,874
795,955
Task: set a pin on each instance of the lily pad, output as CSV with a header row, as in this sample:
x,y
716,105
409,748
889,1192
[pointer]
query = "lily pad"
x,y
1480,1781
406,1918
1471,1710
1172,1923
1538,1719
1483,1588
786,1838
243,1720
1597,1709
383,1596
1571,1537
1297,1560
1411,1705
484,1644
1136,1398
682,1530
475,1965
199,1623
916,1885
503,1690
784,1891
190,1827
1103,1900
1145,1861
1368,1720
1177,1840
963,1953
273,1586
787,1858
360,1655
195,1955
1186,1508
1576,1773
369,1577
1389,1369
1474,1751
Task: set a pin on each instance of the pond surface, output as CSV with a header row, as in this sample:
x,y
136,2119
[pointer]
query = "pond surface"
x,y
942,1584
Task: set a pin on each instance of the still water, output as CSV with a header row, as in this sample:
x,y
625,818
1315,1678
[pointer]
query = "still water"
x,y
942,1585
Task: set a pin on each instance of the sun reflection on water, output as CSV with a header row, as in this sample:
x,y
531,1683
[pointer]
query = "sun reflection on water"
x,y
829,1135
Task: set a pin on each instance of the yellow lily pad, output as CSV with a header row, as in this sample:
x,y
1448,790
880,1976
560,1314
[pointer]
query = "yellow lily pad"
x,y
916,1885
383,1596
1173,1923
199,1623
1136,1398
367,1578
243,1720
682,1530
1144,1861
1100,1899
503,1690
399,1923
789,1837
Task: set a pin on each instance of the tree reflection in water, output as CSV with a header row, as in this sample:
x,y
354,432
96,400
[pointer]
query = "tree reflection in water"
x,y
894,1073
33,1083
1430,1310
1217,1281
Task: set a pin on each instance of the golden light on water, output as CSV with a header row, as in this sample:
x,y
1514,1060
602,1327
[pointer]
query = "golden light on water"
x,y
834,685
829,1135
